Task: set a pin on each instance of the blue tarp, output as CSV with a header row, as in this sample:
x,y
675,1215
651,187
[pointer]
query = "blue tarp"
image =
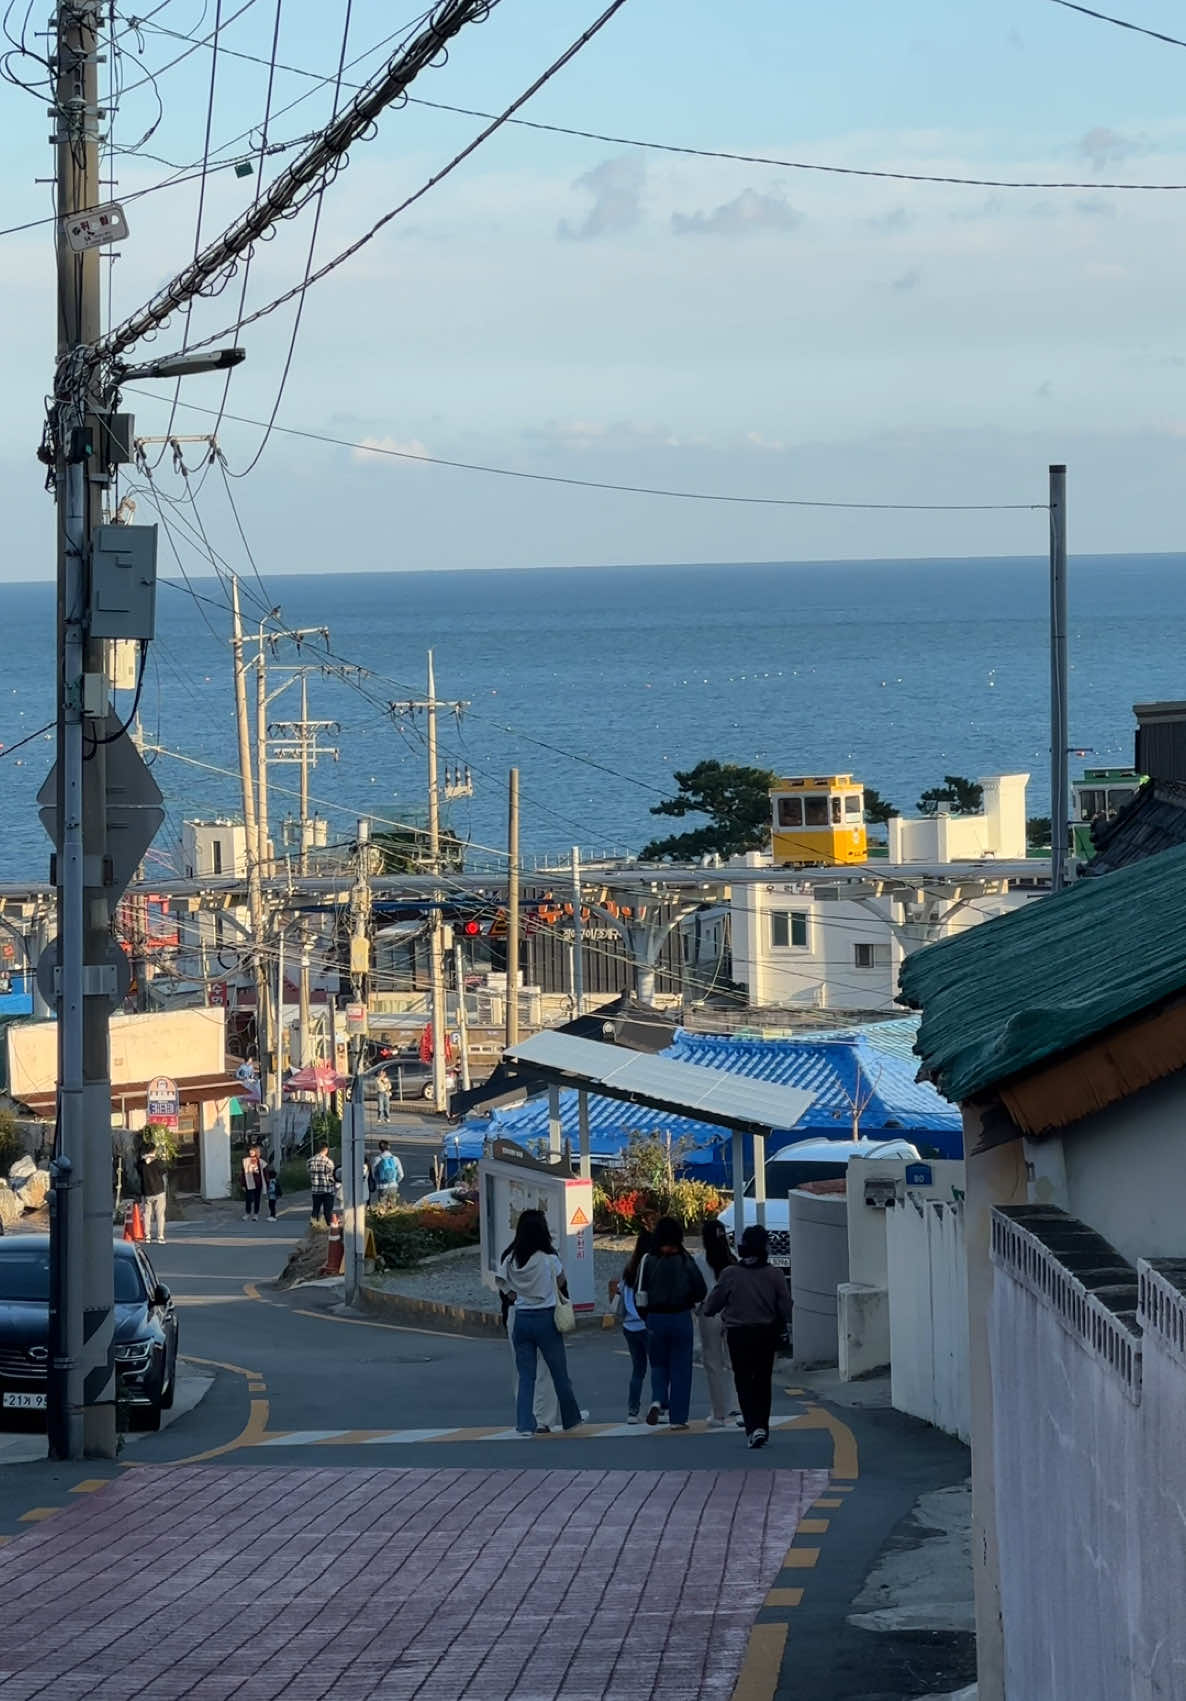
x,y
875,1068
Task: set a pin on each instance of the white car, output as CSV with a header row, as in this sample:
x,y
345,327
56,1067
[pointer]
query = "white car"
x,y
807,1160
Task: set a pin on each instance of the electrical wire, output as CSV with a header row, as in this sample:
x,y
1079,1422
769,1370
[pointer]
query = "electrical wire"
x,y
628,489
8,749
130,333
1121,23
205,42
741,158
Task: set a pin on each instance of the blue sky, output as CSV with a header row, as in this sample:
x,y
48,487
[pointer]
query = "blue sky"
x,y
580,308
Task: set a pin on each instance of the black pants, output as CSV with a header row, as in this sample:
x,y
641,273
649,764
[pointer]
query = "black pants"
x,y
251,1199
751,1351
323,1204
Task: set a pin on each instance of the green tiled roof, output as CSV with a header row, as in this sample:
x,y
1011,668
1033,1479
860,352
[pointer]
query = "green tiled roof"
x,y
1012,992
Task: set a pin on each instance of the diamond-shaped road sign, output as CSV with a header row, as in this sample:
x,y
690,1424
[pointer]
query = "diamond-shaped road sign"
x,y
134,801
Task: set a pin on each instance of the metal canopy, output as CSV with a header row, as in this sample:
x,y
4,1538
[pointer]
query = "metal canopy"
x,y
686,1089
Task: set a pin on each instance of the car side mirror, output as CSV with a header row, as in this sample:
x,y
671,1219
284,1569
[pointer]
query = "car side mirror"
x,y
162,1296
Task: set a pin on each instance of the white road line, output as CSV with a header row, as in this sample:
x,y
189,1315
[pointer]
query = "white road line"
x,y
395,1436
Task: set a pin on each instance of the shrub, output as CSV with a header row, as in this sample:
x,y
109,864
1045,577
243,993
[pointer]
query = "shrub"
x,y
407,1234
625,1209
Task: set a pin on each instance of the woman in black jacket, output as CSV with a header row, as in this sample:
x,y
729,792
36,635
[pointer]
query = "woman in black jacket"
x,y
753,1301
669,1287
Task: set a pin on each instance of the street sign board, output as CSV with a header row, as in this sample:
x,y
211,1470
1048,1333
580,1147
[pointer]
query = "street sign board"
x,y
134,801
163,1101
218,993
110,979
96,226
356,1018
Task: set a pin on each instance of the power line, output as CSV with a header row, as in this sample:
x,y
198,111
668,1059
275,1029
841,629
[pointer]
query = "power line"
x,y
1121,23
728,154
628,489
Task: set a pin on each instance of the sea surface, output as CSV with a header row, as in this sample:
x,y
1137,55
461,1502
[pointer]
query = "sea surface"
x,y
598,683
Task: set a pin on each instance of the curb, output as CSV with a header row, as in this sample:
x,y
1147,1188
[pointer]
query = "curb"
x,y
457,1319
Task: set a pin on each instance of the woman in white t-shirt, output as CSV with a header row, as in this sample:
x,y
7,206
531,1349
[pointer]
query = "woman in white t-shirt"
x,y
534,1274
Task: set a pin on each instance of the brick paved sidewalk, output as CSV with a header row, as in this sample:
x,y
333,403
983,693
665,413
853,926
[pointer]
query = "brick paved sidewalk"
x,y
429,1584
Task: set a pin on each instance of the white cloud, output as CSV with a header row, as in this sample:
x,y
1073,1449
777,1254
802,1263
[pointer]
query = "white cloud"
x,y
371,448
616,186
748,212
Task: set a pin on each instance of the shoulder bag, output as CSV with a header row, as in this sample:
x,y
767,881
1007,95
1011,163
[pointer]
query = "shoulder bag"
x,y
563,1315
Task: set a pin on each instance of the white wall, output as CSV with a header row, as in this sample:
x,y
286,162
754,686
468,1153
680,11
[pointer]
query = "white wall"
x,y
215,1149
997,832
928,1313
1125,1173
179,1043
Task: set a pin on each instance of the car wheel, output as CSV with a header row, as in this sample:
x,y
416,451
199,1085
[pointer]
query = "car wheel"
x,y
427,1093
169,1390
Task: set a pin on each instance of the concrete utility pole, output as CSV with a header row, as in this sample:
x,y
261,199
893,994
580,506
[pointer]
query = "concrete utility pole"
x,y
578,938
255,903
513,908
454,787
354,1125
298,741
81,1397
1059,711
462,1019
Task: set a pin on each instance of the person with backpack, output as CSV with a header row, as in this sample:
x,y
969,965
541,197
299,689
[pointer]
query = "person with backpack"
x,y
752,1299
669,1288
716,1258
624,1307
388,1174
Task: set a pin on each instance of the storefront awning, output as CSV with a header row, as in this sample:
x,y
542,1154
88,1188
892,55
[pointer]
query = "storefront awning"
x,y
197,1089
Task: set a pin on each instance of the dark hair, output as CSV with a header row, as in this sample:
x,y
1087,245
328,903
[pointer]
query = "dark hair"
x,y
754,1244
717,1251
382,1145
669,1233
644,1244
532,1235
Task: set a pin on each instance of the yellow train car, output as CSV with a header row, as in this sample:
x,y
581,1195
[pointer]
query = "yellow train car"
x,y
817,820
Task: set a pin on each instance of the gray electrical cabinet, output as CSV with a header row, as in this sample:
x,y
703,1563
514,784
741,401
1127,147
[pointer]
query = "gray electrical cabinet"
x,y
123,582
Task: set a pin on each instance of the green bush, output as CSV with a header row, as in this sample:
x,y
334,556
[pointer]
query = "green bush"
x,y
407,1234
646,1186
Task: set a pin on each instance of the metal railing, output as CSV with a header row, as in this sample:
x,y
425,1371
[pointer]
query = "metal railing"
x,y
1035,1267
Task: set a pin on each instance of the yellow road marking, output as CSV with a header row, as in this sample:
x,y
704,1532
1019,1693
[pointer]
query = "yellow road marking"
x,y
354,1437
90,1485
800,1558
4,1540
217,1364
828,1500
813,1527
784,1597
251,1434
845,1458
758,1678
38,1514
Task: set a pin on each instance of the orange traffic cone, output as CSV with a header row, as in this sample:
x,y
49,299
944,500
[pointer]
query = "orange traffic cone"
x,y
335,1250
128,1209
133,1223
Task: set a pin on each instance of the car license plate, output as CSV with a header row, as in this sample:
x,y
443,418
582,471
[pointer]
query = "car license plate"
x,y
25,1402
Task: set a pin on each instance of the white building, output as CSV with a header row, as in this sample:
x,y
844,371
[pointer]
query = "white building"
x,y
816,940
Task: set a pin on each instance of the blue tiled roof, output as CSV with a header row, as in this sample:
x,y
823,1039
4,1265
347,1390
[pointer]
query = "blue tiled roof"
x,y
897,1104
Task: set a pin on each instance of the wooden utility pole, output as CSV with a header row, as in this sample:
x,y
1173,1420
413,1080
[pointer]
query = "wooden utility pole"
x,y
513,909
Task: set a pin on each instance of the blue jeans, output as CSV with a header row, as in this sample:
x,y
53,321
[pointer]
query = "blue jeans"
x,y
536,1331
636,1340
669,1340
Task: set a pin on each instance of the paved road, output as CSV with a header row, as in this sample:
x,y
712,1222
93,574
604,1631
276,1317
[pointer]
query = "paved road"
x,y
299,1389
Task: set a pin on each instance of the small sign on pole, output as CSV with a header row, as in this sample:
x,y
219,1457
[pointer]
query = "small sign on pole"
x,y
164,1102
356,1018
95,227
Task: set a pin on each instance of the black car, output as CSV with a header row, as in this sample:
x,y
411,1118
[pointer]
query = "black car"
x,y
145,1331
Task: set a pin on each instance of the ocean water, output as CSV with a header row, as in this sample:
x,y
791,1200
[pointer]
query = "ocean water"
x,y
898,671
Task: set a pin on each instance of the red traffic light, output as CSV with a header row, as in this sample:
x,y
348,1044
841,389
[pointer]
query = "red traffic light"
x,y
471,929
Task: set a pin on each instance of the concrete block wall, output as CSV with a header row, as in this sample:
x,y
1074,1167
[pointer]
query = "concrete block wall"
x,y
1089,1384
928,1312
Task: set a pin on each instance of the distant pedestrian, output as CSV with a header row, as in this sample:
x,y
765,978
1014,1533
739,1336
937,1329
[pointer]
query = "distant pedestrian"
x,y
388,1174
273,1190
383,1088
669,1289
533,1273
253,1182
752,1299
717,1258
321,1180
150,1165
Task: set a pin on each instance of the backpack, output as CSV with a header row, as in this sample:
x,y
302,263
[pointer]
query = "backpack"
x,y
668,1284
385,1170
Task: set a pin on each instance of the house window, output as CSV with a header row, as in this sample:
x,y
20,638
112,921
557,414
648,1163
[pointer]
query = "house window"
x,y
815,811
216,853
852,802
836,812
788,928
790,811
871,956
